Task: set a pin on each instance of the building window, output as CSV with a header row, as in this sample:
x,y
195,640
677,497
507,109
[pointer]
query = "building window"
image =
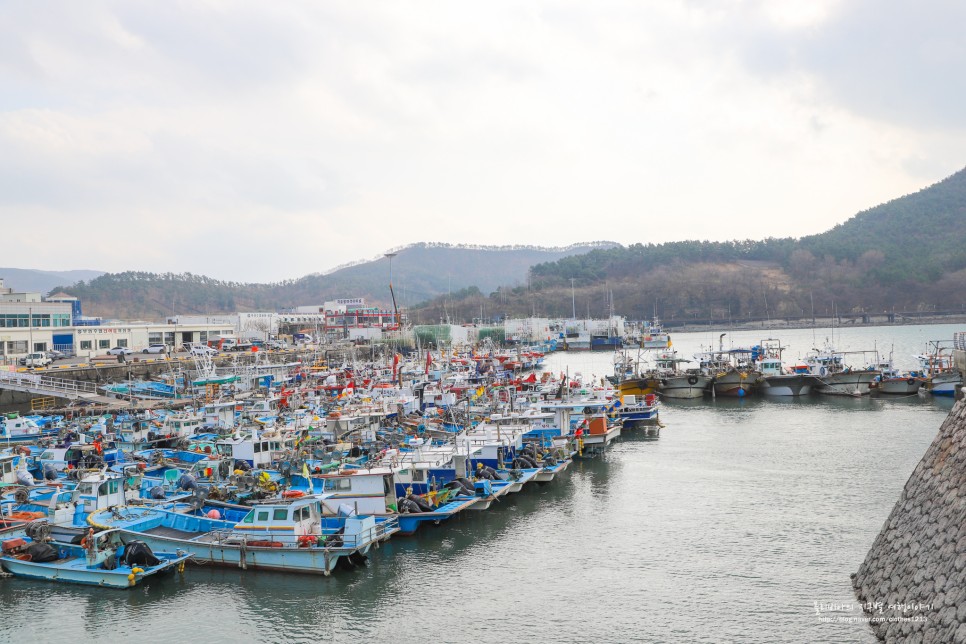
x,y
18,346
103,344
122,343
40,346
85,345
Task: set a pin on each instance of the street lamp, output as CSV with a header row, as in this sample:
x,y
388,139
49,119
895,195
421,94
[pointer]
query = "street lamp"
x,y
30,327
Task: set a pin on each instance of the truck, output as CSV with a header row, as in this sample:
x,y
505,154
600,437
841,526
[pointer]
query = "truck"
x,y
36,360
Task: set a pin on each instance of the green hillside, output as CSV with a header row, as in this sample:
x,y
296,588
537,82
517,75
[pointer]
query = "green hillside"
x,y
420,272
908,254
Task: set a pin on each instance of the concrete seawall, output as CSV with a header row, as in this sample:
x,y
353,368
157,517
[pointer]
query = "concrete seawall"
x,y
913,581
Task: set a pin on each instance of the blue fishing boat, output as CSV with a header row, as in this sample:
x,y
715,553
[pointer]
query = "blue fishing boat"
x,y
102,559
288,535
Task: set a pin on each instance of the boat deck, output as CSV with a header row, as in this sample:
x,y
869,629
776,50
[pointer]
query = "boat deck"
x,y
173,533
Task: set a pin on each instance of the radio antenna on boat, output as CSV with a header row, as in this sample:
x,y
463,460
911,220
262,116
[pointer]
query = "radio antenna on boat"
x,y
395,308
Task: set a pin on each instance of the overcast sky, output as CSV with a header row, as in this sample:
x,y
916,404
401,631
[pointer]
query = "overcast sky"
x,y
260,141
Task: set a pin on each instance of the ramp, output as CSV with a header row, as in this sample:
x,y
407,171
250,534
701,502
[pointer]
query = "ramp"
x,y
42,385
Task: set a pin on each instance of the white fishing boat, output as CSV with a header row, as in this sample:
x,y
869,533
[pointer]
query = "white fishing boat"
x,y
776,379
833,377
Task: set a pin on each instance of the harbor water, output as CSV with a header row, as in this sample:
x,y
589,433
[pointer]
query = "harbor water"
x,y
741,521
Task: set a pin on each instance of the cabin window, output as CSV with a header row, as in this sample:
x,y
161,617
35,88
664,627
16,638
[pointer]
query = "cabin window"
x,y
265,447
258,448
419,475
249,518
263,516
338,484
281,514
274,446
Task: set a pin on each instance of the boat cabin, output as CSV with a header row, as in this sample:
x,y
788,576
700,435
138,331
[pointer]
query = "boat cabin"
x,y
257,452
14,427
7,474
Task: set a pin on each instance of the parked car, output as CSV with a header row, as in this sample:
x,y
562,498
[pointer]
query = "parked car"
x,y
202,350
54,354
155,348
277,345
36,360
120,351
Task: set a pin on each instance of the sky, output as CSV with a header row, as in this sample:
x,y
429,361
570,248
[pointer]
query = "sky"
x,y
261,141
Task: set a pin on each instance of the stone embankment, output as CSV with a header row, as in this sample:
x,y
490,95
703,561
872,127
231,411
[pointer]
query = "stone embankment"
x,y
913,581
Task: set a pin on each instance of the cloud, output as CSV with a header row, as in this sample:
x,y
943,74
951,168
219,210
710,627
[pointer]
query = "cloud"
x,y
259,142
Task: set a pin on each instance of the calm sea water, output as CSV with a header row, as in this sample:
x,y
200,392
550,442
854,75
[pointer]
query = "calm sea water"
x,y
730,526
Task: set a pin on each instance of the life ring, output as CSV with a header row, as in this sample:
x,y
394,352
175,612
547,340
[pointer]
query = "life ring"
x,y
911,381
823,371
292,494
334,414
692,380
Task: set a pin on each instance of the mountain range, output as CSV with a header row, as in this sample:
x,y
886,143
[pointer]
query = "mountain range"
x,y
420,272
908,254
37,281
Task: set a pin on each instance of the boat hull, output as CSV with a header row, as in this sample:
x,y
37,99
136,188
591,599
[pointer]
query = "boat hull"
x,y
684,386
944,384
77,572
301,560
786,385
735,384
847,383
899,386
636,387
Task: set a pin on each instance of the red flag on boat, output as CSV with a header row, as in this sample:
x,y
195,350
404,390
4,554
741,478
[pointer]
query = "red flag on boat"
x,y
429,361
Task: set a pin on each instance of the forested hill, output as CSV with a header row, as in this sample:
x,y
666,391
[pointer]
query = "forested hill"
x,y
921,236
420,272
907,254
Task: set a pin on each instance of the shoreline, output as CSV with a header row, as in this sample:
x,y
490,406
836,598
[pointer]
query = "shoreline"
x,y
817,323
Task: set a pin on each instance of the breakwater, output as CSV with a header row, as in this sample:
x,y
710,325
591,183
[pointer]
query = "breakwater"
x,y
912,584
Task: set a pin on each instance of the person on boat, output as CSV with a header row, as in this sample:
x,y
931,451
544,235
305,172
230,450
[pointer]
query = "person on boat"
x,y
98,445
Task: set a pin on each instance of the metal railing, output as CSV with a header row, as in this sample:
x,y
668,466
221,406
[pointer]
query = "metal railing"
x,y
45,384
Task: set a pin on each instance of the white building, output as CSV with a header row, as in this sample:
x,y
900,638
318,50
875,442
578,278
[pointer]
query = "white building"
x,y
248,325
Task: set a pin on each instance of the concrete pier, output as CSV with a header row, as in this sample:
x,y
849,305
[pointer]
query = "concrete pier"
x,y
913,581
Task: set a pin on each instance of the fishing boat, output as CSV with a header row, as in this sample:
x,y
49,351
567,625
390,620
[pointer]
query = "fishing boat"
x,y
833,377
102,559
940,375
286,535
892,382
653,336
671,381
18,429
633,411
775,379
731,372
